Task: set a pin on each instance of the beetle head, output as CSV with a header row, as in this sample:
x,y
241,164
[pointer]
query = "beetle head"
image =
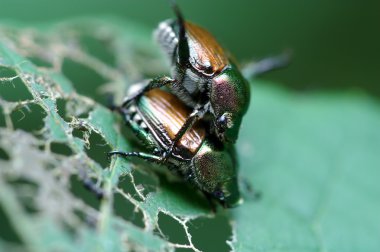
x,y
216,174
229,99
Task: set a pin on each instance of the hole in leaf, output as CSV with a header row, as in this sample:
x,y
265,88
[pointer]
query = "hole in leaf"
x,y
126,210
4,155
146,181
26,192
40,62
143,181
172,229
86,80
86,218
211,234
6,72
73,108
41,147
61,109
61,149
80,214
71,231
2,118
78,189
84,114
126,185
7,232
78,109
13,89
98,149
79,133
29,118
100,48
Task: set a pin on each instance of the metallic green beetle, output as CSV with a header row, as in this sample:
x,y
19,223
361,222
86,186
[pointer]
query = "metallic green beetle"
x,y
204,78
155,118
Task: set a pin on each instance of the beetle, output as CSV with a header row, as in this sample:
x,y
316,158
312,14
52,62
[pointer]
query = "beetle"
x,y
205,78
155,118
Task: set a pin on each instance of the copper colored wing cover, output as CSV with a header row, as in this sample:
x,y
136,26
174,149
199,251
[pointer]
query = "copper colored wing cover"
x,y
163,108
206,55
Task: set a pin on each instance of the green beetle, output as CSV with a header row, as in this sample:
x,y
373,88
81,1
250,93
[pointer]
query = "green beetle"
x,y
155,118
204,78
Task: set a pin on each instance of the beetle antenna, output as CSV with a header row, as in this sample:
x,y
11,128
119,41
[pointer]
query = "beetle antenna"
x,y
183,46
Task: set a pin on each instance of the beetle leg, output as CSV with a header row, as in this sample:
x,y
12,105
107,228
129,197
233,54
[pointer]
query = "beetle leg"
x,y
265,65
193,117
183,45
154,83
144,156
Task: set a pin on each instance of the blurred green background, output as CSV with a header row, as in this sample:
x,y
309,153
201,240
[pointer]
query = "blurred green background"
x,y
336,44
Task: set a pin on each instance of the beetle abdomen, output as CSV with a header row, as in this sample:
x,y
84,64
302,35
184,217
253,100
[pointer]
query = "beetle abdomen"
x,y
165,114
166,37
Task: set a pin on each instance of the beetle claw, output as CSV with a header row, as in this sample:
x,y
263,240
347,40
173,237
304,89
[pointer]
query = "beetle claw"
x,y
166,155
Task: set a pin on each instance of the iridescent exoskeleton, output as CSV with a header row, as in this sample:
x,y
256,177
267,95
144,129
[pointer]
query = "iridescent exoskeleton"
x,y
198,157
203,77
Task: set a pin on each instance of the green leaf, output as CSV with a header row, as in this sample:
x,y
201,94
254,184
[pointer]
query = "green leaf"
x,y
313,157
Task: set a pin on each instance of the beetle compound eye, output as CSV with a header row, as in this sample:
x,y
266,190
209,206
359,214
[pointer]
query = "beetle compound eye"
x,y
224,122
219,195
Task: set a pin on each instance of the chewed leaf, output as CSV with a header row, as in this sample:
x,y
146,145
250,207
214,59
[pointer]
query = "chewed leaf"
x,y
313,158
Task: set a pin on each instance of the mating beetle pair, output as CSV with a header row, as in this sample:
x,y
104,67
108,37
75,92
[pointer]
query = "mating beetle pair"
x,y
203,78
192,131
156,118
